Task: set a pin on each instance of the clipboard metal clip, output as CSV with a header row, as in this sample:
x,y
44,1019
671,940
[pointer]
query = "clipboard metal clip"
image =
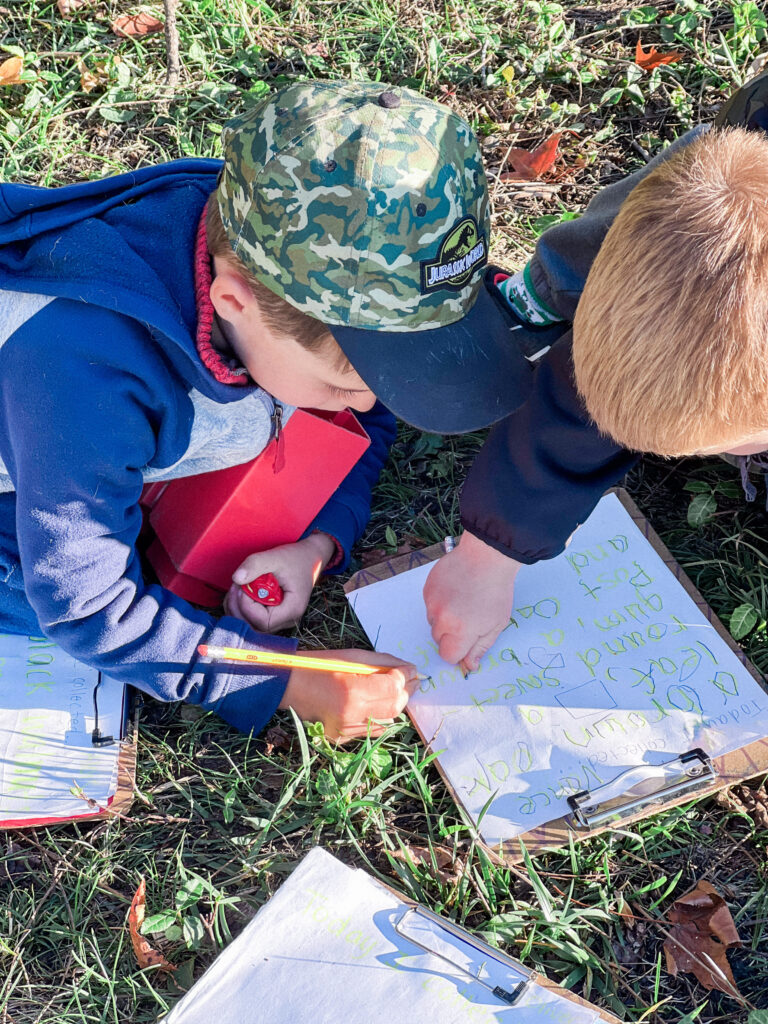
x,y
509,996
640,787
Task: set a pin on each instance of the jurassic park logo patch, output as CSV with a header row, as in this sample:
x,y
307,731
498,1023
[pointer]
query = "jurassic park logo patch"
x,y
462,251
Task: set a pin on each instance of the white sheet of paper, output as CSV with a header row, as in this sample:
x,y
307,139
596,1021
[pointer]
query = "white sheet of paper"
x,y
324,949
609,664
46,718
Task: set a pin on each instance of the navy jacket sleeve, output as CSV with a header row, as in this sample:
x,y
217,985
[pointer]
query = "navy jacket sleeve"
x,y
83,395
346,514
544,468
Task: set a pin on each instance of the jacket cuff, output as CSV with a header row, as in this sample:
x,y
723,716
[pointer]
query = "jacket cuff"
x,y
338,556
527,556
244,698
340,523
521,295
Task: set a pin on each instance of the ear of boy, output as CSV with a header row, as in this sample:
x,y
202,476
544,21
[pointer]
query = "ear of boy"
x,y
230,293
291,373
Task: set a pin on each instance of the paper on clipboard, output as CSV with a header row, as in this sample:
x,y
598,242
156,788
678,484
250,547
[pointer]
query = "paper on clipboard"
x,y
608,664
326,949
49,767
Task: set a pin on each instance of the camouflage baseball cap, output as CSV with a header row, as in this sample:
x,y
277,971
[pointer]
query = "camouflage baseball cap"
x,y
366,207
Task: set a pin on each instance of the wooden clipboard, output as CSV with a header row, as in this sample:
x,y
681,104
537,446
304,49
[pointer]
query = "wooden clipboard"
x,y
738,766
122,799
535,978
237,967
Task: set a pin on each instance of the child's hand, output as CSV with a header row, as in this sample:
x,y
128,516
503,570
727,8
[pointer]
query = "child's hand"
x,y
296,568
345,704
469,597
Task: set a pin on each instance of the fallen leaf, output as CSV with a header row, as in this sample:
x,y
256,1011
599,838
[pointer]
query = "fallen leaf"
x,y
90,80
752,802
448,871
374,555
145,954
141,24
68,7
630,949
757,65
10,70
652,59
315,50
276,738
702,930
532,189
532,163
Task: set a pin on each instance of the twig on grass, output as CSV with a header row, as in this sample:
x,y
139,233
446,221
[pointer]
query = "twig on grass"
x,y
173,64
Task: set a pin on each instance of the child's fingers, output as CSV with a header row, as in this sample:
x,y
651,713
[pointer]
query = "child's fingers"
x,y
412,684
250,569
283,618
242,607
453,646
385,694
357,732
471,661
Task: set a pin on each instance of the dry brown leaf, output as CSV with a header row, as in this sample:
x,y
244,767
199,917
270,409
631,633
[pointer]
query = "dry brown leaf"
x,y
532,189
532,163
68,7
276,738
10,70
141,24
702,930
632,949
752,802
145,954
374,555
448,871
315,50
90,80
652,59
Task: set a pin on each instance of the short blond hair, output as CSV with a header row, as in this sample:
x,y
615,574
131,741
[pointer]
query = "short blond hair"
x,y
670,338
280,316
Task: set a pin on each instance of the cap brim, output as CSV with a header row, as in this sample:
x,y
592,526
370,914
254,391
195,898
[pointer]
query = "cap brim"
x,y
449,380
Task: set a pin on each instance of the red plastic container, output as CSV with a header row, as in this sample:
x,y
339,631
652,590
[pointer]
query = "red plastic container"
x,y
205,525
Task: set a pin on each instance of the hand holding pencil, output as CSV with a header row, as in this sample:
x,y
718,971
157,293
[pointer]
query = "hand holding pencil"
x,y
351,705
353,693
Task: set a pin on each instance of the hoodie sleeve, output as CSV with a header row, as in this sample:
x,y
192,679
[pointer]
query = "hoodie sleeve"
x,y
565,253
84,396
346,514
544,468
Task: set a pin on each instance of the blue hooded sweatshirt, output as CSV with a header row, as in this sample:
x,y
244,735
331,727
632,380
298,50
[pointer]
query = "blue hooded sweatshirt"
x,y
102,389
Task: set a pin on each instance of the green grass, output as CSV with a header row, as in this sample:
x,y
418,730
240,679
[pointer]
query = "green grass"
x,y
218,823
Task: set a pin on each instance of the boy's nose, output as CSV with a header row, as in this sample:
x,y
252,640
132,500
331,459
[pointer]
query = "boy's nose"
x,y
364,403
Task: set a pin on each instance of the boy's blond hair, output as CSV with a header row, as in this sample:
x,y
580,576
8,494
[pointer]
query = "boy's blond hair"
x,y
670,338
280,316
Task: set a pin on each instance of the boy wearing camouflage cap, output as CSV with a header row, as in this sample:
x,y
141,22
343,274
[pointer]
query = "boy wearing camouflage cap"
x,y
147,329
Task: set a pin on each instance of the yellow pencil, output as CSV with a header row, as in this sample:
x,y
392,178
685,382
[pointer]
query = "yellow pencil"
x,y
278,660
